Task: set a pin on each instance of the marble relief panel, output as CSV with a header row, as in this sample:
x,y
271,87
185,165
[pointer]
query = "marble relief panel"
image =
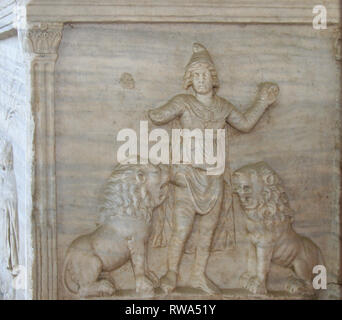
x,y
277,105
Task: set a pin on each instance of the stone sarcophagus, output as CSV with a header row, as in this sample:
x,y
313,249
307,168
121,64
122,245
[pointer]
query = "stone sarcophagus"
x,y
157,149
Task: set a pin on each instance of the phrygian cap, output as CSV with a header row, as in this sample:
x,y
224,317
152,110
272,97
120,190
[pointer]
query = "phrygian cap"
x,y
200,55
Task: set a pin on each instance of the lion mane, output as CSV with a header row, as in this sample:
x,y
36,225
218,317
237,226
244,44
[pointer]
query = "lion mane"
x,y
272,206
124,195
122,234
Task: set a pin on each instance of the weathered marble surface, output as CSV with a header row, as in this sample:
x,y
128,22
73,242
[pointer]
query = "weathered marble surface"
x,y
298,137
221,11
78,71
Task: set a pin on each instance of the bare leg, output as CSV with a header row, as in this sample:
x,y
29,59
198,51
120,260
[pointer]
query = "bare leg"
x,y
208,225
184,217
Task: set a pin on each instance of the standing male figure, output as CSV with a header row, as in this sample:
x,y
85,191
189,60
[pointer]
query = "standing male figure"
x,y
196,192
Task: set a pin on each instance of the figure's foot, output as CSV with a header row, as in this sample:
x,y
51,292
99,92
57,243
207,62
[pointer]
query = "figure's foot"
x,y
204,283
153,278
244,279
256,286
168,282
102,288
144,286
298,286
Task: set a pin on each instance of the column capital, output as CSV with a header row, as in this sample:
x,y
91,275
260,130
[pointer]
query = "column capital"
x,y
42,39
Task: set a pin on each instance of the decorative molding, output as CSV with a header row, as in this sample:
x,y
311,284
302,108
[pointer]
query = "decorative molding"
x,y
245,11
40,42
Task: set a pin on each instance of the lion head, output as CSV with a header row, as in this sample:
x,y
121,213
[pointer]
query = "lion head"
x,y
134,190
261,193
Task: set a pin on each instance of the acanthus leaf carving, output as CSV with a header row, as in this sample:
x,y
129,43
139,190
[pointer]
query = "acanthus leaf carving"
x,y
42,39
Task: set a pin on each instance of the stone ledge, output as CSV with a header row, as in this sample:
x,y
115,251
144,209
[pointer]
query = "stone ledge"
x,y
281,11
185,293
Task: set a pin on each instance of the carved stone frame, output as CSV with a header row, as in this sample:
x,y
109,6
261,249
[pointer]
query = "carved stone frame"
x,y
40,44
40,25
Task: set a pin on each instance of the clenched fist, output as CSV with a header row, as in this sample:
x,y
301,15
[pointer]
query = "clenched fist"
x,y
268,92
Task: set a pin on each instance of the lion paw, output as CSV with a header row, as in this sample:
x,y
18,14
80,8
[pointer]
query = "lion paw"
x,y
102,288
144,286
256,286
205,284
168,282
297,286
106,288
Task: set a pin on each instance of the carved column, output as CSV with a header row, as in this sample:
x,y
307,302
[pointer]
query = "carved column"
x,y
40,43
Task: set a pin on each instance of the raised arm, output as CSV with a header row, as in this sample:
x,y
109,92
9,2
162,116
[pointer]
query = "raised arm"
x,y
246,121
168,112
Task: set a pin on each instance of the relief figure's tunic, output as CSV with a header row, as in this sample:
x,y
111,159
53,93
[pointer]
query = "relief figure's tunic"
x,y
205,189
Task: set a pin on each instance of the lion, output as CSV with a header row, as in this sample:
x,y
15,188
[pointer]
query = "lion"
x,y
130,195
272,238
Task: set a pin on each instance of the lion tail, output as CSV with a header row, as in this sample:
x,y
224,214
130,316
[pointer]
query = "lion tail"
x,y
68,282
321,260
